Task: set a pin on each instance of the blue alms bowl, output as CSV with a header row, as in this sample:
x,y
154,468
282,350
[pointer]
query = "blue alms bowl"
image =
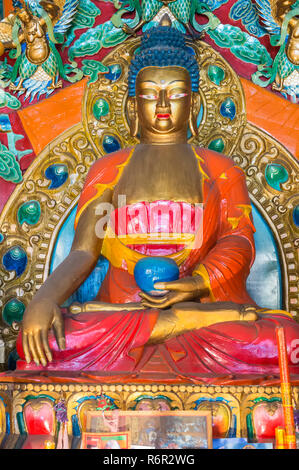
x,y
154,269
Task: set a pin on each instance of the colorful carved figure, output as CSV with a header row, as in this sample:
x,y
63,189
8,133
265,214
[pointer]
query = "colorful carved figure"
x,y
206,322
280,18
179,12
38,65
38,53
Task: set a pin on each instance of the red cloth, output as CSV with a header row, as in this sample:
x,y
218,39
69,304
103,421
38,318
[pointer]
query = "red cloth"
x,y
99,341
117,341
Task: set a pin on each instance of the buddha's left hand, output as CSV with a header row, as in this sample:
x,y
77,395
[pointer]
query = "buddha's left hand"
x,y
182,290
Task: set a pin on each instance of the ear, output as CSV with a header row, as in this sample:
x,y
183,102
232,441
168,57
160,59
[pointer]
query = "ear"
x,y
195,107
132,115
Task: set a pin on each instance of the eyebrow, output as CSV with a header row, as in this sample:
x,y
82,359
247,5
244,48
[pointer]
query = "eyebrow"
x,y
175,81
150,81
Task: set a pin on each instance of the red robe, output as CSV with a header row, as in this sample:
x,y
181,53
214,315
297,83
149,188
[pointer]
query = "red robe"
x,y
116,342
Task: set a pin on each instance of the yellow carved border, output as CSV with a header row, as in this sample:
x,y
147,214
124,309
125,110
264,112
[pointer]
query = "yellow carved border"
x,y
239,398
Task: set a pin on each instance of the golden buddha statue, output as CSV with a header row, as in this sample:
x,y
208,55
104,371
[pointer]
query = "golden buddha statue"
x,y
205,322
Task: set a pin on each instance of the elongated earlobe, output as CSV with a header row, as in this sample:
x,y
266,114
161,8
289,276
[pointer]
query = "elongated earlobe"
x,y
133,116
195,107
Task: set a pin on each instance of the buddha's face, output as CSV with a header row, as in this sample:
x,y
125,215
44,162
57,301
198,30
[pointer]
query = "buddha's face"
x,y
163,101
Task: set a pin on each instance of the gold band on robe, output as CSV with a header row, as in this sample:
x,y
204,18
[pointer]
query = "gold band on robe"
x,y
115,250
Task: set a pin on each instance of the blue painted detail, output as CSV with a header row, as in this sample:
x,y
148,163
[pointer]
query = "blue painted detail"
x,y
89,289
296,215
57,174
8,426
214,4
233,429
246,11
155,269
228,109
75,426
89,397
5,125
210,400
114,72
264,283
111,144
95,397
1,237
15,259
12,138
198,121
191,50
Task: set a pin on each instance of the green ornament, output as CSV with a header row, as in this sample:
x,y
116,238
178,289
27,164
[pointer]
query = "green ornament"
x,y
216,74
275,175
100,108
217,145
13,311
29,212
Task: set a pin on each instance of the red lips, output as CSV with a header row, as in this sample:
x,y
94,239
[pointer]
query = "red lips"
x,y
163,116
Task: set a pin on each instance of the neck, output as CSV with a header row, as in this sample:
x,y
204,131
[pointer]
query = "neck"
x,y
150,138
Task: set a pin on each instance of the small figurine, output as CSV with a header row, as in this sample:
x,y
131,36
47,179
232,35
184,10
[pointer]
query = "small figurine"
x,y
39,61
32,30
280,18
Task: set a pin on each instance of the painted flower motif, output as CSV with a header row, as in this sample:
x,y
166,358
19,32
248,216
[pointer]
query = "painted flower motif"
x,y
102,403
105,403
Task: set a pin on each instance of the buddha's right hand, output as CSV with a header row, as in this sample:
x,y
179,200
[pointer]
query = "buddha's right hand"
x,y
39,317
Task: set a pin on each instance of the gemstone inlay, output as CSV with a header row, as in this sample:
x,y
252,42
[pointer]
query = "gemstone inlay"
x,y
13,311
228,109
275,175
29,212
15,259
216,74
217,145
114,72
296,215
57,174
110,144
100,108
